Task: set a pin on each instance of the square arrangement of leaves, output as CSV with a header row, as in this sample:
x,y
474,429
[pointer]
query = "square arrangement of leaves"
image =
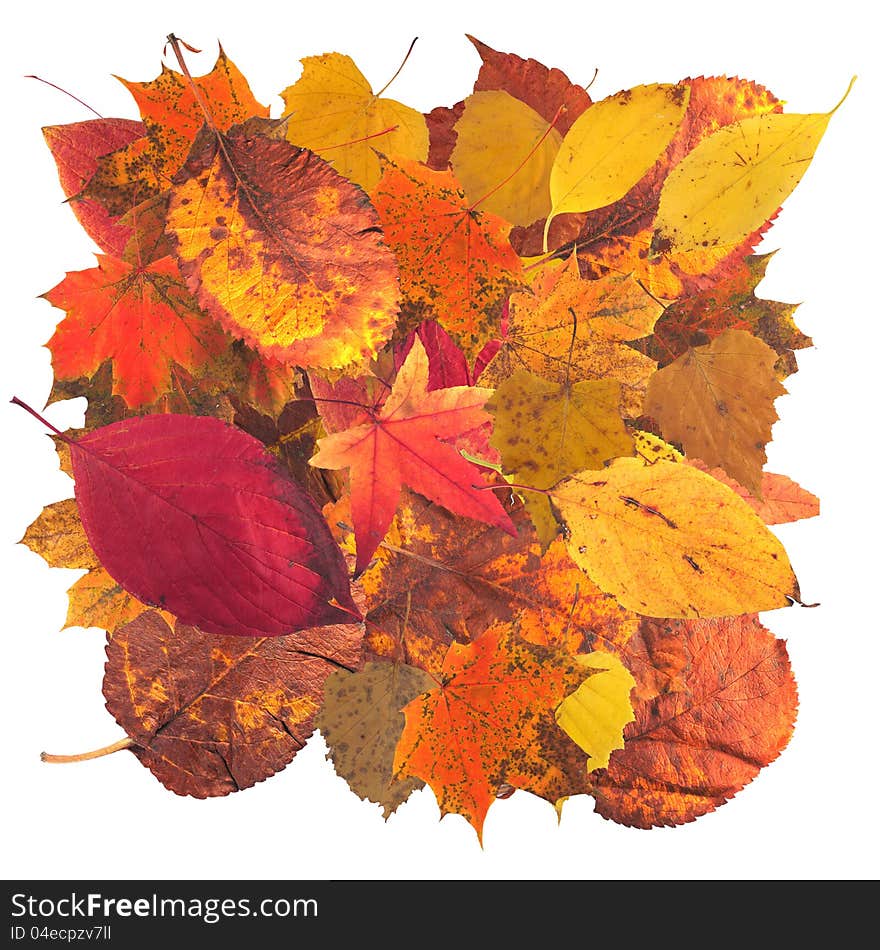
x,y
441,433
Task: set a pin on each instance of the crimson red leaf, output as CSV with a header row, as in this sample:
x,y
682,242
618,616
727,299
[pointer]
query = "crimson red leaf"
x,y
193,515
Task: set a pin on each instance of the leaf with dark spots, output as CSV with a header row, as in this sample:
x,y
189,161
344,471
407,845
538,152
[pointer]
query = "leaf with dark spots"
x,y
193,515
283,251
691,750
211,715
361,721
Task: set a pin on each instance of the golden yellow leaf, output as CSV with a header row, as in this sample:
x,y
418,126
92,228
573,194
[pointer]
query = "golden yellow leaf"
x,y
717,401
496,133
735,179
670,541
651,448
611,146
334,112
595,714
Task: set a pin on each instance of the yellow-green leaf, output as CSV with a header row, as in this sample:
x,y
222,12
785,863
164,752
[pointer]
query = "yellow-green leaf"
x,y
667,540
334,112
595,714
611,146
735,179
495,136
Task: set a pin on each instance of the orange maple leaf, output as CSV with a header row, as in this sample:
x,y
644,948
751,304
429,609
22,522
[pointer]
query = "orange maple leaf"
x,y
400,445
142,318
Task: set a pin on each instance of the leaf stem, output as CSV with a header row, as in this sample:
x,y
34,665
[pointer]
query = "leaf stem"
x,y
399,69
18,402
175,45
519,167
66,93
126,743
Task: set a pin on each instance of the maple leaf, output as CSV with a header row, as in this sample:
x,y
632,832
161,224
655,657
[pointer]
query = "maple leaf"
x,y
689,751
641,534
334,112
211,715
173,108
95,600
400,445
438,579
193,515
456,262
283,251
717,401
361,721
489,721
142,319
76,148
569,327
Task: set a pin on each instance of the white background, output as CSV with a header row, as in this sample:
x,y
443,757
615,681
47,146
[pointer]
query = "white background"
x,y
811,814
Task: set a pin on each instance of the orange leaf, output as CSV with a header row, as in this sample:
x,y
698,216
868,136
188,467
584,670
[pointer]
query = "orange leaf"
x,y
689,751
400,445
456,262
489,722
141,318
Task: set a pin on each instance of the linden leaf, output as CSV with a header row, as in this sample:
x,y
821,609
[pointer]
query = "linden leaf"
x,y
76,148
644,533
595,714
456,262
211,715
283,251
495,135
361,721
569,327
690,751
485,722
717,401
334,112
612,145
736,178
400,445
193,515
95,600
142,319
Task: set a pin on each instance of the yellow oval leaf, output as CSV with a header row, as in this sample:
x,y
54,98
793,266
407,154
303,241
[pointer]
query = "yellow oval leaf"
x,y
735,179
670,541
496,134
334,112
595,714
611,146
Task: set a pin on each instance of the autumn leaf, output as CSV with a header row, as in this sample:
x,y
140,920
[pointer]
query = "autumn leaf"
x,y
642,533
361,721
211,715
612,145
735,179
193,515
702,313
333,111
438,579
485,724
503,155
76,148
173,107
400,445
690,751
94,600
456,262
283,251
717,401
142,319
567,327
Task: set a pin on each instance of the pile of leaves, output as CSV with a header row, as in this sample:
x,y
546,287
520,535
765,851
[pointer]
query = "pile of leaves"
x,y
443,434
